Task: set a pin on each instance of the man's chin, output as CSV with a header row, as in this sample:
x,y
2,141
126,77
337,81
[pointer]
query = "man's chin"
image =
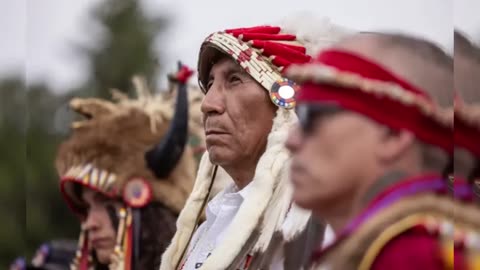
x,y
104,256
302,201
217,157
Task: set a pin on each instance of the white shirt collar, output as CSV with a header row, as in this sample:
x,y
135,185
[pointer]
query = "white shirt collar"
x,y
243,192
220,212
230,196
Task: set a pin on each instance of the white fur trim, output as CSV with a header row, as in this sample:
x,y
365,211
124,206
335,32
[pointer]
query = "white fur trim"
x,y
186,219
269,197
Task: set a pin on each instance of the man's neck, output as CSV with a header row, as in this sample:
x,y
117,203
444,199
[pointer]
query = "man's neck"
x,y
241,175
343,214
384,182
337,219
242,171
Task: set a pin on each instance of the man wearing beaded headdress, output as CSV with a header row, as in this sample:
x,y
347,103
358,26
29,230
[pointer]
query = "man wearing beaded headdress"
x,y
467,112
126,171
247,111
467,149
372,152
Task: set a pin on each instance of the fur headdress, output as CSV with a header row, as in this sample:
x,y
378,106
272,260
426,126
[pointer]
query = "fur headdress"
x,y
131,150
107,148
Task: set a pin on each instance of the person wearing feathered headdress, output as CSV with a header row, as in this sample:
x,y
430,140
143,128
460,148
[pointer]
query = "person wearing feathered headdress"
x,y
247,112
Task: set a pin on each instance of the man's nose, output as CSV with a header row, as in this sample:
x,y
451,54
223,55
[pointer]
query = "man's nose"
x,y
214,101
91,221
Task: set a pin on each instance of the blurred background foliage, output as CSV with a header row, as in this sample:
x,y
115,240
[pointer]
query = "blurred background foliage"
x,y
34,120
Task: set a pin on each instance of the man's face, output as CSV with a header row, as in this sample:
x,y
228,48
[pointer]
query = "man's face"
x,y
101,234
476,188
237,113
331,155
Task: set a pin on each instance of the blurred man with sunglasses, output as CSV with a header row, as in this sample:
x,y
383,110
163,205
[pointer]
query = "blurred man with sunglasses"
x,y
373,149
467,113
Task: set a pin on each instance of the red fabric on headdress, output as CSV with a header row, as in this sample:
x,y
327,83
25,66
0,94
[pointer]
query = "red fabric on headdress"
x,y
272,46
247,36
256,29
280,62
268,39
385,110
260,33
346,61
293,56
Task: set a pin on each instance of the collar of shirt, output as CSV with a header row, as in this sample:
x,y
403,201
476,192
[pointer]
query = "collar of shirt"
x,y
231,197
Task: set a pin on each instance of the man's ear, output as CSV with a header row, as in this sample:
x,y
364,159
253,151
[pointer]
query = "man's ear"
x,y
394,144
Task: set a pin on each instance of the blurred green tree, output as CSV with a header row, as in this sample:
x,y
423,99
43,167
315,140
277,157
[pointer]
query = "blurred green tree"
x,y
12,168
126,49
47,216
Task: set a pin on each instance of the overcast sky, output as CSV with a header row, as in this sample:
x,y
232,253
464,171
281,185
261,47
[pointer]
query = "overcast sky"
x,y
39,35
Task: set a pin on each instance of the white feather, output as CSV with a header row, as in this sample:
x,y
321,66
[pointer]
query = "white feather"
x,y
316,33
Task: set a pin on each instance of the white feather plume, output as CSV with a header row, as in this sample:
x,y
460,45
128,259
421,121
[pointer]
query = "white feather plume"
x,y
316,33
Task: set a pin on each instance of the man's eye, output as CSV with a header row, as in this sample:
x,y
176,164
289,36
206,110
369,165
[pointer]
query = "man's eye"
x,y
209,84
86,208
101,199
234,79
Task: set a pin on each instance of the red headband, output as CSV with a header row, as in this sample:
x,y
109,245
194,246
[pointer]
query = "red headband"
x,y
360,85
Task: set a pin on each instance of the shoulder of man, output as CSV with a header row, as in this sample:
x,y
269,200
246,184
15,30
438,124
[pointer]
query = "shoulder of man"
x,y
397,227
413,249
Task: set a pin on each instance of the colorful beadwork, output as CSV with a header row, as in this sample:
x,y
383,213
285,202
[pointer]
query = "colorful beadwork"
x,y
137,193
89,175
283,93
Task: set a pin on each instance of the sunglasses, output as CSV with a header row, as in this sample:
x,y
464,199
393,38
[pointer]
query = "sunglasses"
x,y
309,114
